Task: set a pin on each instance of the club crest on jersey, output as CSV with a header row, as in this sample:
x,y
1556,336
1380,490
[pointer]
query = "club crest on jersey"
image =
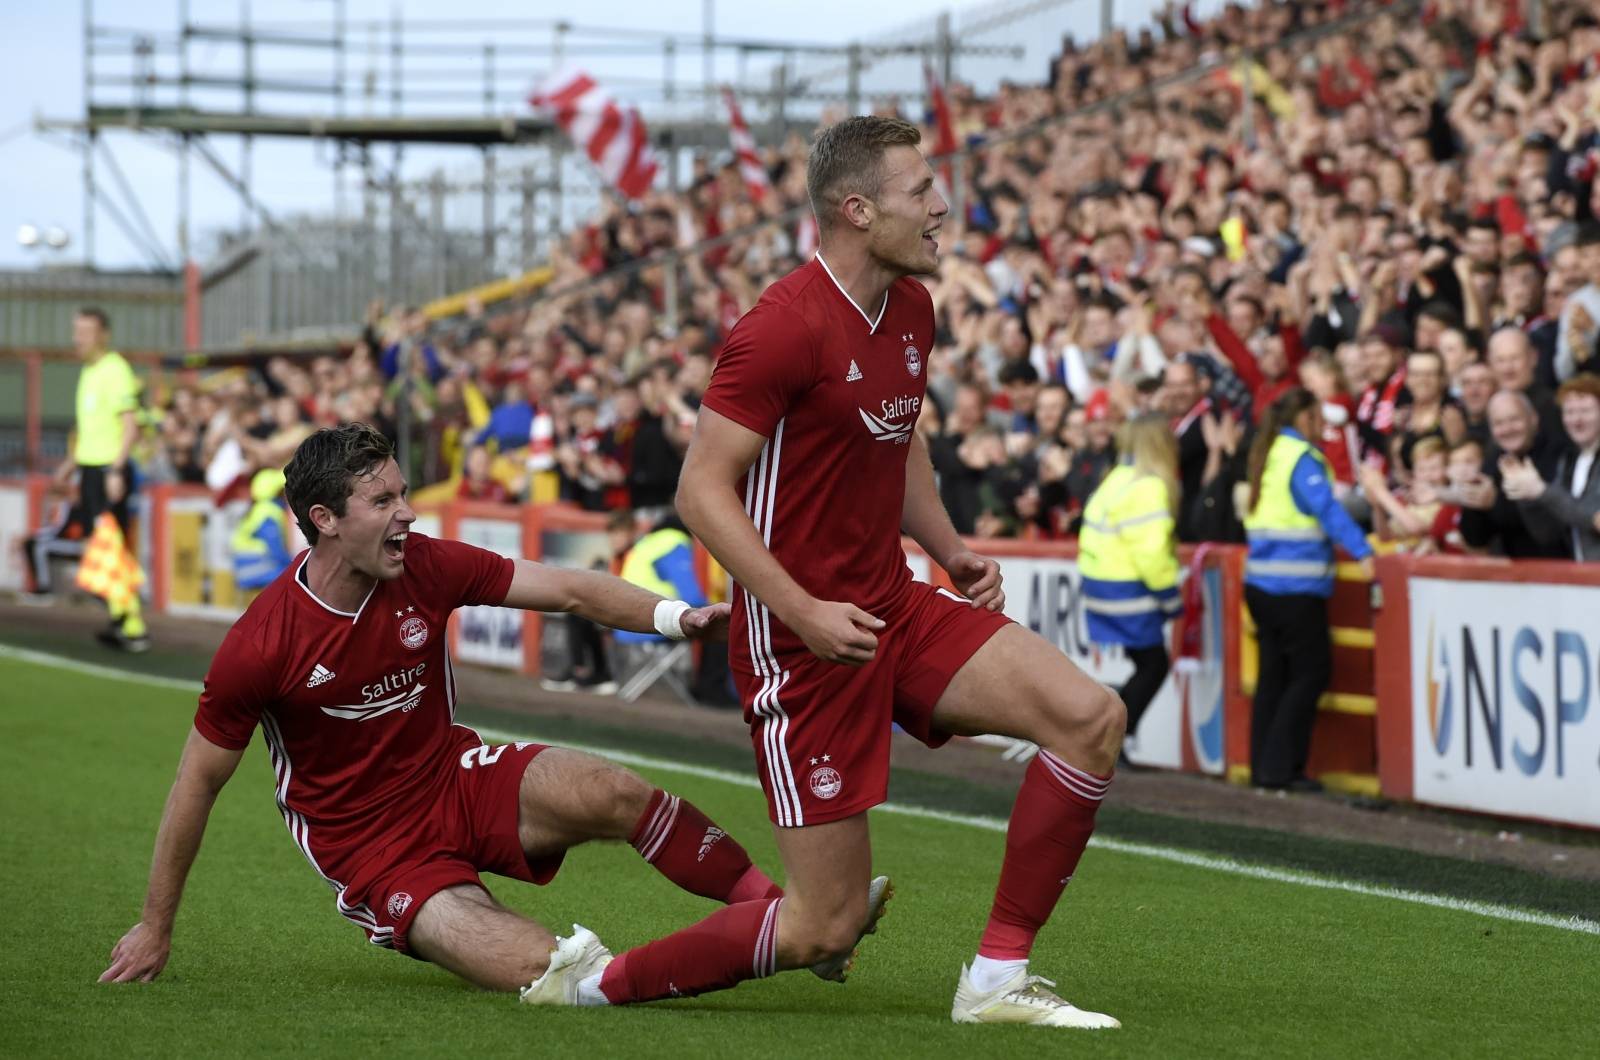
x,y
399,902
826,783
913,359
414,632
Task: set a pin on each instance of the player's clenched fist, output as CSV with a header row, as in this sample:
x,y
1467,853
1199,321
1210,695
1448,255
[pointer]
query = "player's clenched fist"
x,y
838,632
138,956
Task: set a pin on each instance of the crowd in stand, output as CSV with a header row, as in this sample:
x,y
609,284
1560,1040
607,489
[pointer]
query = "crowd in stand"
x,y
1399,216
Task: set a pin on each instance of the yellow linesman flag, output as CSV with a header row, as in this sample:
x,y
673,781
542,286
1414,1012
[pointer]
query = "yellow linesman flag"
x,y
108,569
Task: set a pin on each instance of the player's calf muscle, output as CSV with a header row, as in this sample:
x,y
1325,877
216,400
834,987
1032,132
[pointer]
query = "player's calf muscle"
x,y
465,931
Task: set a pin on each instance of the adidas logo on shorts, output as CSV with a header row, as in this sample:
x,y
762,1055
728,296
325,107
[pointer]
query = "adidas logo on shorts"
x,y
320,676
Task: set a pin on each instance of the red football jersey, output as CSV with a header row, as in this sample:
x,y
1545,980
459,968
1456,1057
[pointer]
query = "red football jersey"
x,y
837,395
356,709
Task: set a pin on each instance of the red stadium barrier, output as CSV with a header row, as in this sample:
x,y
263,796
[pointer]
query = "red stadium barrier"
x,y
1461,691
551,533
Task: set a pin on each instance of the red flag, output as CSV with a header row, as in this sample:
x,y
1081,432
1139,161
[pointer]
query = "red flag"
x,y
944,143
754,173
613,136
805,236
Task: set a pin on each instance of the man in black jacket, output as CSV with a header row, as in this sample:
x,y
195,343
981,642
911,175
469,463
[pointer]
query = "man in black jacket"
x,y
1489,519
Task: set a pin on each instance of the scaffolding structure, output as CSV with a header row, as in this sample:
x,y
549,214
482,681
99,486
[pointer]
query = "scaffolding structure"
x,y
374,96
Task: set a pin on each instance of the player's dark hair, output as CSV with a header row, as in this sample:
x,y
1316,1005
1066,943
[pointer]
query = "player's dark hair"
x,y
98,315
326,466
847,159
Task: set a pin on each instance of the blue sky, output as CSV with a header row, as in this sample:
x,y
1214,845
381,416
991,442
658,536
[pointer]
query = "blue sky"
x,y
41,50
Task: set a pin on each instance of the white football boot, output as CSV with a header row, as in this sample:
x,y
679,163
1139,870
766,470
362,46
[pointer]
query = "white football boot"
x,y
574,959
1023,999
837,969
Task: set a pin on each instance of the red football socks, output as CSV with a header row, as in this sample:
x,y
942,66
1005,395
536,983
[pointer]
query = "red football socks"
x,y
695,854
735,943
1050,825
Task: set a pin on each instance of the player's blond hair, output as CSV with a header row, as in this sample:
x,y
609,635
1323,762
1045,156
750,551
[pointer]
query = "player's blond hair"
x,y
847,159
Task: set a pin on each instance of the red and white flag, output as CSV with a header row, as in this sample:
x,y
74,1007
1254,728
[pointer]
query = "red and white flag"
x,y
754,173
805,236
944,143
612,135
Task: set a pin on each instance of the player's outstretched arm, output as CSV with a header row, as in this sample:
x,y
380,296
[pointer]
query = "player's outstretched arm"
x,y
610,601
710,505
204,768
925,519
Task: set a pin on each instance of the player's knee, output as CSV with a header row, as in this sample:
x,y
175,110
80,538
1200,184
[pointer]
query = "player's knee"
x,y
826,936
1110,722
834,939
839,938
1092,723
625,796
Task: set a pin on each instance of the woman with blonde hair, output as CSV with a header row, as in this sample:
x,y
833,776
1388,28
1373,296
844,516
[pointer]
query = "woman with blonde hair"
x,y
1127,555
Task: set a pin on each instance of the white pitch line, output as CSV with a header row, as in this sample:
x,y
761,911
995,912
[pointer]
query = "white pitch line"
x,y
113,673
1174,855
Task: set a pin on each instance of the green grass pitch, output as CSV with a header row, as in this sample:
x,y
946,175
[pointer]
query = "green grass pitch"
x,y
1193,961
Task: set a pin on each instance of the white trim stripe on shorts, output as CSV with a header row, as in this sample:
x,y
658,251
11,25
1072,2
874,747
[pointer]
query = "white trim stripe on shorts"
x,y
300,831
760,501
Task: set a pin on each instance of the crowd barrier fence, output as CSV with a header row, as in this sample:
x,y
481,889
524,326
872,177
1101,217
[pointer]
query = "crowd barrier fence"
x,y
1461,689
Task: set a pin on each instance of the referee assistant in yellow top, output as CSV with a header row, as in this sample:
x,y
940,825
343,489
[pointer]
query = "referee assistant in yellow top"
x,y
1127,554
105,430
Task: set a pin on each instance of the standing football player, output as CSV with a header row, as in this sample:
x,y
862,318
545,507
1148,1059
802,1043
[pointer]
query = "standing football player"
x,y
804,471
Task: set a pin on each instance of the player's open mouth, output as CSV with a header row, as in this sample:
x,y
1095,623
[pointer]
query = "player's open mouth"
x,y
931,237
395,547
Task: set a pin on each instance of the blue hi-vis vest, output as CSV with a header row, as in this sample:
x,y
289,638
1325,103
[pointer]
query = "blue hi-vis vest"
x,y
640,567
1128,559
260,546
1290,554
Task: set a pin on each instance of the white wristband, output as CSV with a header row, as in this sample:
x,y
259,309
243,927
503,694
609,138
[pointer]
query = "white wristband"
x,y
669,618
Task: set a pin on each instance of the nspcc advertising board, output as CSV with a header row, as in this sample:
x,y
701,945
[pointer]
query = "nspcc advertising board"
x,y
1504,683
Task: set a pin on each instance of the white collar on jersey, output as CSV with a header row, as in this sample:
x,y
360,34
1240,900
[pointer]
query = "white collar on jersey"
x,y
300,580
872,323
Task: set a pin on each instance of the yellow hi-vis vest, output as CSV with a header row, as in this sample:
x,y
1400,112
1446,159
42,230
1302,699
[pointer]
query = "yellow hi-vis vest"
x,y
260,541
639,565
1128,560
1289,552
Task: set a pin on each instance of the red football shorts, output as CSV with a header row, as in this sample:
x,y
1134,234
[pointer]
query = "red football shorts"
x,y
468,826
821,730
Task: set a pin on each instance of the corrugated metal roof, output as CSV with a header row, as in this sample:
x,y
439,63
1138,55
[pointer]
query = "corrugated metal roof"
x,y
37,306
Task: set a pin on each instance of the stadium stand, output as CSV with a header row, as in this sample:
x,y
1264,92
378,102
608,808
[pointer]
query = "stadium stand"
x,y
1406,178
